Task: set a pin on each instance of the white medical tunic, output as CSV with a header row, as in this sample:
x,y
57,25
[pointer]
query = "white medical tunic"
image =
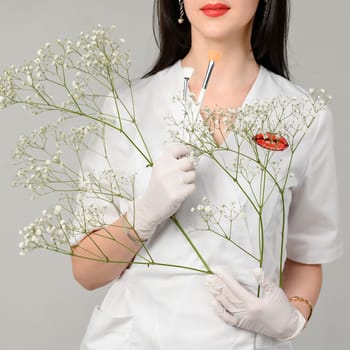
x,y
159,307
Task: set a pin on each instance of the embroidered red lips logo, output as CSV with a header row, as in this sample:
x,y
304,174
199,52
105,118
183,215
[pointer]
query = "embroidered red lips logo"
x,y
271,141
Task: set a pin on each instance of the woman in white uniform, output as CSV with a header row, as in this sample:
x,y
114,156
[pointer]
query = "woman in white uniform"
x,y
160,307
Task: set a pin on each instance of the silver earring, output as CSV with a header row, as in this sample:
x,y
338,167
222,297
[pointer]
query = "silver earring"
x,y
267,8
182,12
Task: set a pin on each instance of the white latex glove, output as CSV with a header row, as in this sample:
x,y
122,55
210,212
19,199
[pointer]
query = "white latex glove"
x,y
172,180
271,315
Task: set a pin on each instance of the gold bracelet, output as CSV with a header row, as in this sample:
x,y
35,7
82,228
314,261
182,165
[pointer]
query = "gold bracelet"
x,y
302,300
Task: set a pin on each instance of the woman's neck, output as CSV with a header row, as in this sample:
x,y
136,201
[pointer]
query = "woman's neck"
x,y
232,77
236,67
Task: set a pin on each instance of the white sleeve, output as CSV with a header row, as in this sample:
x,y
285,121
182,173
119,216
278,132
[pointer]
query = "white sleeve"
x,y
110,207
314,235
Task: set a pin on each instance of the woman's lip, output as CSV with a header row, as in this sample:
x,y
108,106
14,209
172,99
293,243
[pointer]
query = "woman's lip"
x,y
215,10
215,13
217,6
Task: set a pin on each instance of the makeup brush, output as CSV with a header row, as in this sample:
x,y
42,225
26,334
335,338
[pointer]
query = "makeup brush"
x,y
214,57
187,72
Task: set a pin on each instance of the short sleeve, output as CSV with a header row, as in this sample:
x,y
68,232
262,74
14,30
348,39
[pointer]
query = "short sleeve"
x,y
103,175
314,234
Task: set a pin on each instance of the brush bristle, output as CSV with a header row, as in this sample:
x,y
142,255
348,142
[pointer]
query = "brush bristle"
x,y
214,56
187,71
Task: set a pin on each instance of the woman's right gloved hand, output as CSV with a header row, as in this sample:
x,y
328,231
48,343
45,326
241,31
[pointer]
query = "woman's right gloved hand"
x,y
172,181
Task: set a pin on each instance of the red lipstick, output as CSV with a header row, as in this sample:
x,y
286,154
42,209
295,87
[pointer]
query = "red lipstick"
x,y
271,141
215,10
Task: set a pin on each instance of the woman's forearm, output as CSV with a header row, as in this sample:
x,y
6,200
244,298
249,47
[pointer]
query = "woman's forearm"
x,y
110,244
304,281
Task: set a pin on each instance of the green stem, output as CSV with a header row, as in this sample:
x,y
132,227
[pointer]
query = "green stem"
x,y
173,218
235,181
282,238
56,249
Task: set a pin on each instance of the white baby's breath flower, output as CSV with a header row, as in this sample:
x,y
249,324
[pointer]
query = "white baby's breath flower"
x,y
242,214
207,208
29,80
57,210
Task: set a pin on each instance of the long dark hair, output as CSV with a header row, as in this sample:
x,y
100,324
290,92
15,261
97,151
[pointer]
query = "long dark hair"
x,y
269,35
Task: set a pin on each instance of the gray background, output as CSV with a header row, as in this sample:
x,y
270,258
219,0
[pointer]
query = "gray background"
x,y
42,307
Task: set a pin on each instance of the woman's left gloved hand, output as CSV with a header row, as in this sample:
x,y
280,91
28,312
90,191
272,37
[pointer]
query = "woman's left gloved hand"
x,y
272,314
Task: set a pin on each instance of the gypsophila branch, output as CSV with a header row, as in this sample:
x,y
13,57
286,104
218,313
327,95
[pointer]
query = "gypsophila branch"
x,y
76,79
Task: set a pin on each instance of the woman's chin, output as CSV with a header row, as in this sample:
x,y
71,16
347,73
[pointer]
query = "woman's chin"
x,y
219,35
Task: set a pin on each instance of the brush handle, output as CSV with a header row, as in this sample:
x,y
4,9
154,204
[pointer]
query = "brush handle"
x,y
204,88
199,102
201,97
208,74
185,88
